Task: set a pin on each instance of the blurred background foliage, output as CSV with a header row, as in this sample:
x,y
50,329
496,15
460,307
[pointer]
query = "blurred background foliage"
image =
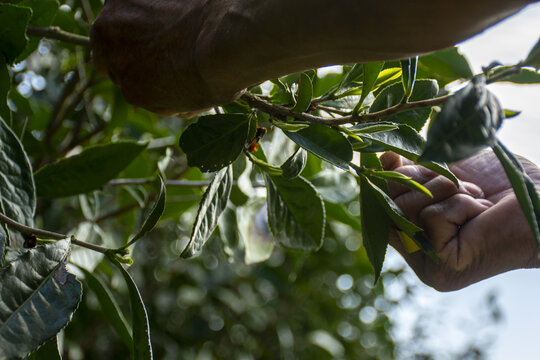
x,y
320,305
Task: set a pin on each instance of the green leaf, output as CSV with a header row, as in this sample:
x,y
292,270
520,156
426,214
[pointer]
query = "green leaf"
x,y
524,189
43,13
87,171
393,94
37,298
406,142
392,210
402,179
524,76
110,307
408,75
154,216
375,221
211,206
49,351
467,124
229,233
326,143
446,66
303,95
373,128
290,125
259,159
215,141
533,59
338,212
335,186
295,164
17,192
295,212
142,344
14,20
371,72
5,84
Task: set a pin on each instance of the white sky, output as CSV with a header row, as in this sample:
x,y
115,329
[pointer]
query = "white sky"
x,y
457,314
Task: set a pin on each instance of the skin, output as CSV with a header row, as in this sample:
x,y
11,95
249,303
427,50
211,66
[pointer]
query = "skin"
x,y
172,56
478,230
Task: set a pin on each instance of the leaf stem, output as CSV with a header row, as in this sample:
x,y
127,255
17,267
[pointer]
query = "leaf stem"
x,y
55,33
27,230
283,112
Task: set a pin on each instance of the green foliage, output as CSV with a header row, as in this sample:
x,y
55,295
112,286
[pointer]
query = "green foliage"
x,y
467,124
253,290
215,141
87,171
38,298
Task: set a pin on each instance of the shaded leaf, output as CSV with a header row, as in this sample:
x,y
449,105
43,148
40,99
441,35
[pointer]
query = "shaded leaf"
x,y
5,84
142,344
110,307
49,351
326,143
467,124
295,212
446,66
38,298
375,222
393,94
87,171
154,215
304,94
17,192
13,31
215,141
211,206
295,164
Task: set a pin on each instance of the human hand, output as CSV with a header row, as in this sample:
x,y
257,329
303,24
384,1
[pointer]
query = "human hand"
x,y
477,230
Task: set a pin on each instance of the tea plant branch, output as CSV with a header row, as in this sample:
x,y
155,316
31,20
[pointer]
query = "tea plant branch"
x,y
283,112
55,33
171,183
27,230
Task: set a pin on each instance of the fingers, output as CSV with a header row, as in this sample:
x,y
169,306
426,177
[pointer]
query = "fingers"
x,y
442,220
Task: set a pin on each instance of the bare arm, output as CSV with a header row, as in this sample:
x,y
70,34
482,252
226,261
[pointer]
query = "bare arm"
x,y
186,55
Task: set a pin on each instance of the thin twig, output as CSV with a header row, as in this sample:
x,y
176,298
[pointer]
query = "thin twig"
x,y
178,183
283,112
55,33
27,230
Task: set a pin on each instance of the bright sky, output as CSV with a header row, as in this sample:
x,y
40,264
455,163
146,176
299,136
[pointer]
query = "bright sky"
x,y
455,315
